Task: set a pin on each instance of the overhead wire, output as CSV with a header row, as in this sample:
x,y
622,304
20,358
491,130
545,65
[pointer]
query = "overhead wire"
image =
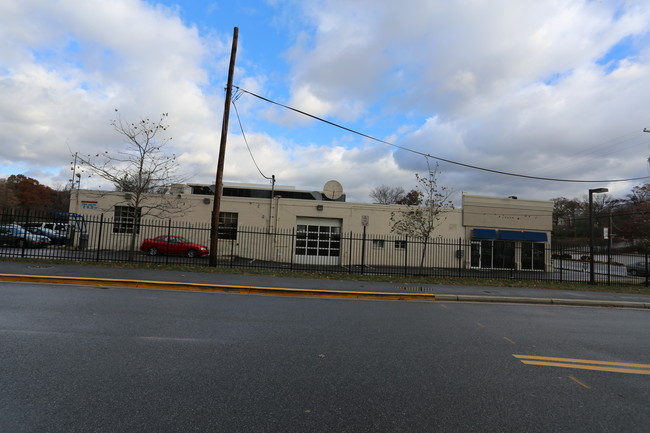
x,y
427,155
235,98
593,153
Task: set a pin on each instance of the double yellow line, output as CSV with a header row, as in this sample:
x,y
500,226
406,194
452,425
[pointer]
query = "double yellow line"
x,y
585,364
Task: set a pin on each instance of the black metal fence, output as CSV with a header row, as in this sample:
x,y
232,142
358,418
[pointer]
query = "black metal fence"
x,y
316,250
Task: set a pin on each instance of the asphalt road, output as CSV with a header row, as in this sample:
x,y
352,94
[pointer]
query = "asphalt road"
x,y
92,359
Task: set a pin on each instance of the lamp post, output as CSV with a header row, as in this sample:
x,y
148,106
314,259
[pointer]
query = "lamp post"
x,y
592,280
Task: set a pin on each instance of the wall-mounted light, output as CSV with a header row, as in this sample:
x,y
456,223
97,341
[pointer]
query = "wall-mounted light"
x,y
206,200
319,207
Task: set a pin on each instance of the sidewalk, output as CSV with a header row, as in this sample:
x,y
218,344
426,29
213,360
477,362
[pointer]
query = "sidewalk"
x,y
97,275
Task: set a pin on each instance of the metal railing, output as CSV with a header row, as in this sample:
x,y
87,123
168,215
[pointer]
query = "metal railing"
x,y
109,240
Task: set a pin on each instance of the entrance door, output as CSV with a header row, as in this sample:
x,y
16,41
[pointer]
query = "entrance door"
x,y
318,241
493,254
532,256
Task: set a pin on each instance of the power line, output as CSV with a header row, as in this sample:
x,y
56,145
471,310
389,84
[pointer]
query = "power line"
x,y
244,136
592,153
426,155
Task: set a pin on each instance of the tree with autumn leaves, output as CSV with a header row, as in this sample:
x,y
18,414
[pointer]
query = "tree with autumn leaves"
x,y
19,192
628,218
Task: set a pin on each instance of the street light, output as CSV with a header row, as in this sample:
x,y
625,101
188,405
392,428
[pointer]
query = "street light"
x,y
592,280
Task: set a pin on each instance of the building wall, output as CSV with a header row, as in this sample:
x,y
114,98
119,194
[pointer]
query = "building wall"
x,y
283,215
507,213
510,215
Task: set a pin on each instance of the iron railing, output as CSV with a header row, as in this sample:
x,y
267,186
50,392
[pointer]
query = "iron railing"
x,y
107,240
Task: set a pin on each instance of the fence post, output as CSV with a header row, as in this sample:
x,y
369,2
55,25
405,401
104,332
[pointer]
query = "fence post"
x,y
363,251
461,254
232,253
350,247
513,268
406,255
169,233
646,268
609,261
293,247
22,253
561,262
99,238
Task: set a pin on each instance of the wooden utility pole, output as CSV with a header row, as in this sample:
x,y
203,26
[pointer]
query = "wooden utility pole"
x,y
214,227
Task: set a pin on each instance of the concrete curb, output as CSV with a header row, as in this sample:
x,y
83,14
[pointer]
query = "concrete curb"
x,y
547,301
280,291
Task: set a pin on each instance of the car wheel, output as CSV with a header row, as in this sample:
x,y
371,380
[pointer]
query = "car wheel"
x,y
192,253
153,251
634,272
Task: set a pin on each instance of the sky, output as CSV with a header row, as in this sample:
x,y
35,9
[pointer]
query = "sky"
x,y
549,89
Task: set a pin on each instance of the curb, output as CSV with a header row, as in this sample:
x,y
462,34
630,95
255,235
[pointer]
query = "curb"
x,y
547,301
280,291
198,287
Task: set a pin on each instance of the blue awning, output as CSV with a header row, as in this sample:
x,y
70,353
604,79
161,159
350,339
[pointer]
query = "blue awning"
x,y
484,234
535,237
511,235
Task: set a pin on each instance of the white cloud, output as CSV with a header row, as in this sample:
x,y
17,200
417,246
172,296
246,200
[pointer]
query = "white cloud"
x,y
513,85
62,82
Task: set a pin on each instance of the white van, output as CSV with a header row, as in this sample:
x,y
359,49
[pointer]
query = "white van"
x,y
59,227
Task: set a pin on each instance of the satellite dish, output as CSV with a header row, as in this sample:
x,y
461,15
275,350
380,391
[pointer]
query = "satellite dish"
x,y
333,190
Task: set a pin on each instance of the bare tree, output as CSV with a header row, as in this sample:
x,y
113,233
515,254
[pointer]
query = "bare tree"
x,y
421,219
143,171
387,194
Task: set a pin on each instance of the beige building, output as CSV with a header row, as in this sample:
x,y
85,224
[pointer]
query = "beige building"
x,y
282,224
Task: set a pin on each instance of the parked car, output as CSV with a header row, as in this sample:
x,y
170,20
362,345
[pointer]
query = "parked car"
x,y
57,238
638,268
173,245
15,236
60,228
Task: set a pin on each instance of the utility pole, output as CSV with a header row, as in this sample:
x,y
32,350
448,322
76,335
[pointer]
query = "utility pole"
x,y
214,228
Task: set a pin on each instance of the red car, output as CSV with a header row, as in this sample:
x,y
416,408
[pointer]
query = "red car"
x,y
173,245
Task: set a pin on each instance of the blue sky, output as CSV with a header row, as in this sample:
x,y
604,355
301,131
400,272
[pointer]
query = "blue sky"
x,y
550,89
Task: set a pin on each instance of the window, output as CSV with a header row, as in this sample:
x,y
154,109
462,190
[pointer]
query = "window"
x,y
488,254
378,243
400,245
127,219
318,240
228,225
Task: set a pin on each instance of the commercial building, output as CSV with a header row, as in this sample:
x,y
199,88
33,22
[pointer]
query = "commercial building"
x,y
313,226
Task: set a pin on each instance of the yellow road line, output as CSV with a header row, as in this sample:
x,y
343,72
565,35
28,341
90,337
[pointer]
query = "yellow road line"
x,y
585,364
509,340
480,324
581,361
579,382
588,367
